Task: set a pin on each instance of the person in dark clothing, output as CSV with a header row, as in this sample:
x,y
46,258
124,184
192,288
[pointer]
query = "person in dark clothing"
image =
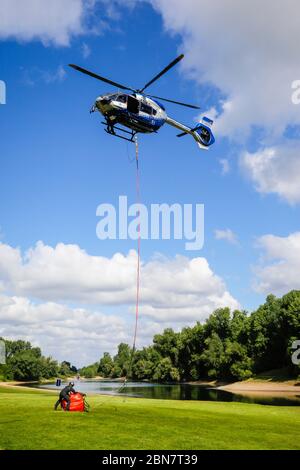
x,y
65,395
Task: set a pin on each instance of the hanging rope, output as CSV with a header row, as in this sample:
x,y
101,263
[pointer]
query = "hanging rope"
x,y
138,198
138,268
138,272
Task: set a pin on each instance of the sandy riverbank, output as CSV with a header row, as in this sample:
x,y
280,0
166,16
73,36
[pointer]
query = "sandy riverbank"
x,y
16,384
253,385
257,386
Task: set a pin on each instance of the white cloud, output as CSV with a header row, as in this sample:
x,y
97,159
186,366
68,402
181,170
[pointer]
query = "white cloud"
x,y
67,273
279,270
76,306
50,22
225,166
227,235
58,297
35,75
248,50
54,22
85,50
66,333
275,170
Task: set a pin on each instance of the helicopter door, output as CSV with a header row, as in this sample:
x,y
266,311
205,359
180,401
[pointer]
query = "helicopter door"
x,y
132,105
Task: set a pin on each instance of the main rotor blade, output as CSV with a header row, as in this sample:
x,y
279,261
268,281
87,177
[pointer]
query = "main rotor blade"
x,y
106,80
174,62
176,102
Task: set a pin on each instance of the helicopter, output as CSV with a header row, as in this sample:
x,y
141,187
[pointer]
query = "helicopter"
x,y
139,112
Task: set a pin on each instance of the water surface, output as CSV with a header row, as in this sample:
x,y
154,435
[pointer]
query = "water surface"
x,y
176,392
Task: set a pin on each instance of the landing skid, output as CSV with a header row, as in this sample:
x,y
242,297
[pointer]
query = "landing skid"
x,y
110,129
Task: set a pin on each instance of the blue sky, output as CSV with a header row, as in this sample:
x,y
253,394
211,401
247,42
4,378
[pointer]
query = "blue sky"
x,y
57,164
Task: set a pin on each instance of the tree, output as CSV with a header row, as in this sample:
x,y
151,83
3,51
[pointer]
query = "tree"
x,y
271,327
214,357
106,365
122,360
166,344
190,348
144,363
165,371
25,362
219,323
89,371
66,369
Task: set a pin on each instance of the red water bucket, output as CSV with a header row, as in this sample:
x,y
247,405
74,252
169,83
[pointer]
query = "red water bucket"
x,y
77,402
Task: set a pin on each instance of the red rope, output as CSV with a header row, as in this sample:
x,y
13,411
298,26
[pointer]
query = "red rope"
x,y
138,197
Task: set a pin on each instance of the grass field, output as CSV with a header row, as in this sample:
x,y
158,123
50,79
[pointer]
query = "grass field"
x,y
27,421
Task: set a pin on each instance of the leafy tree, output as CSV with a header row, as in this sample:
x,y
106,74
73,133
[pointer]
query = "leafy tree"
x,y
106,365
219,323
165,371
214,357
89,371
66,369
190,348
166,344
122,361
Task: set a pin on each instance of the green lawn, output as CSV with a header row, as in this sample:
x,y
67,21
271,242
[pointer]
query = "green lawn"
x,y
27,421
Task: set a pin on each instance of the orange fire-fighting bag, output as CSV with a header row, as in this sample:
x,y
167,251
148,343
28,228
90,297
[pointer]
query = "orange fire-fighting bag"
x,y
77,402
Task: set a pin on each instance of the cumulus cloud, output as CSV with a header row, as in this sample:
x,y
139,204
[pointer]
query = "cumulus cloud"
x,y
251,60
279,270
85,50
225,166
68,273
54,23
62,298
36,75
227,235
250,57
63,332
275,170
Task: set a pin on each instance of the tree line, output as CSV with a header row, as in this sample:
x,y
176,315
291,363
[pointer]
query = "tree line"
x,y
25,362
227,346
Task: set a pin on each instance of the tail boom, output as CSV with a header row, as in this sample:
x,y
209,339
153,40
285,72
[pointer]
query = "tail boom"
x,y
201,133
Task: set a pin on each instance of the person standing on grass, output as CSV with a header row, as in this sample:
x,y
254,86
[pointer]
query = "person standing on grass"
x,y
65,395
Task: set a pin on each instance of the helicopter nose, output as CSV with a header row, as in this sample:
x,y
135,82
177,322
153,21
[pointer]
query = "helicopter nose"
x,y
102,101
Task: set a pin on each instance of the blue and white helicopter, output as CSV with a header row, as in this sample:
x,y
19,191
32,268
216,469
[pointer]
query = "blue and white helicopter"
x,y
142,113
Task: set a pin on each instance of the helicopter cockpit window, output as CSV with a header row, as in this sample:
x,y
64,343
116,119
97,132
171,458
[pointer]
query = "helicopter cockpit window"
x,y
146,109
122,99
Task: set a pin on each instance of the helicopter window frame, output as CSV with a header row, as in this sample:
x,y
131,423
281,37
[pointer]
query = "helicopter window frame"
x,y
113,97
147,109
122,98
